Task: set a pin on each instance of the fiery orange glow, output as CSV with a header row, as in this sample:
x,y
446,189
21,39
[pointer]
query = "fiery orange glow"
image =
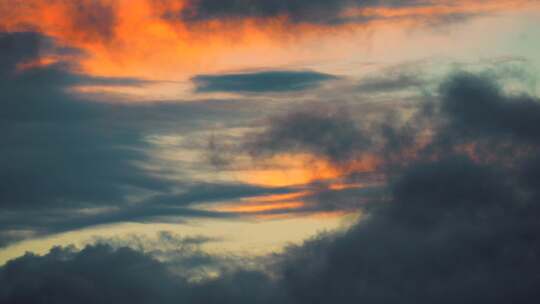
x,y
40,62
274,202
300,169
132,38
290,170
279,197
261,207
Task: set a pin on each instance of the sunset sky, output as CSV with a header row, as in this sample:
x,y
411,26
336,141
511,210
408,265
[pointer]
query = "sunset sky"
x,y
269,151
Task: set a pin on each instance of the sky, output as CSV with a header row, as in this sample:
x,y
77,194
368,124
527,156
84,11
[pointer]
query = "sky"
x,y
269,151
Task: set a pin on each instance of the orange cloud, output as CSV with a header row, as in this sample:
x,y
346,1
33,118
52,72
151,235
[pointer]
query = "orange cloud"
x,y
131,37
134,37
314,174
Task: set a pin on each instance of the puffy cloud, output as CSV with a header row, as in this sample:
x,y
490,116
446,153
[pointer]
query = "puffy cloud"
x,y
452,228
478,107
96,274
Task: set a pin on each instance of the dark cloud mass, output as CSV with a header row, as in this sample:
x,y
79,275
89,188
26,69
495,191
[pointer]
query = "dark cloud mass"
x,y
97,274
479,108
258,82
314,11
330,134
57,149
453,227
61,153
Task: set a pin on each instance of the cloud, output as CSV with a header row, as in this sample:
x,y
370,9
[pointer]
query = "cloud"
x,y
173,207
330,134
450,228
58,150
64,275
102,273
92,20
207,192
260,82
317,12
478,107
61,153
390,83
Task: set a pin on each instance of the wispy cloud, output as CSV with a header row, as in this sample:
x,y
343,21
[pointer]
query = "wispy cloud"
x,y
259,82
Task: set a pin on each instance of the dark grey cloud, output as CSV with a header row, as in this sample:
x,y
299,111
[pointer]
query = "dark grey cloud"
x,y
162,207
317,10
58,150
299,11
451,228
330,134
64,275
453,232
478,107
259,82
183,255
61,153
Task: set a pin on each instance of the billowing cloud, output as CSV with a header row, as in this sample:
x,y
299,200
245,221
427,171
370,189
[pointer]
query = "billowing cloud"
x,y
331,134
478,107
444,181
451,228
65,275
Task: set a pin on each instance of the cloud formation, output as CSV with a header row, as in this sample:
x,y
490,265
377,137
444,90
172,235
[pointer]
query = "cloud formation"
x,y
330,134
452,228
295,11
62,153
260,82
212,31
49,132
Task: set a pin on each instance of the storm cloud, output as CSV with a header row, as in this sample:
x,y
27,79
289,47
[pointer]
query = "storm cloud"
x,y
450,229
457,220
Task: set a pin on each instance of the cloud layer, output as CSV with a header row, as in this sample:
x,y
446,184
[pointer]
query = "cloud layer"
x,y
259,82
457,224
